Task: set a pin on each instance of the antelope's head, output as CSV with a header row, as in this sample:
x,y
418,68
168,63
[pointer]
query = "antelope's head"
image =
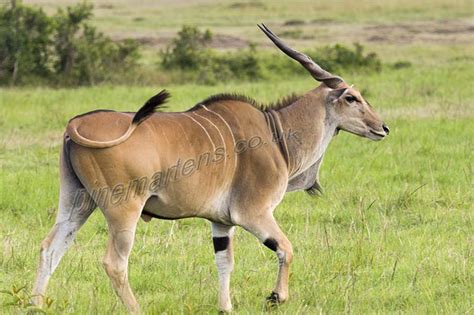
x,y
350,111
355,115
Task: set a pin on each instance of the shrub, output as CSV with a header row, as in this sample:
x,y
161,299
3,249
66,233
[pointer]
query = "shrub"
x,y
187,51
339,58
84,55
66,44
63,49
24,43
401,65
242,65
190,53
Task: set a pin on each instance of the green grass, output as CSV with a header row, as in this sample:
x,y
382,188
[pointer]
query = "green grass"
x,y
393,232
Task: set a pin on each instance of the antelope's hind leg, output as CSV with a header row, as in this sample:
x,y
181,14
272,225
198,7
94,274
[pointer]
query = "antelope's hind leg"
x,y
75,207
122,222
222,240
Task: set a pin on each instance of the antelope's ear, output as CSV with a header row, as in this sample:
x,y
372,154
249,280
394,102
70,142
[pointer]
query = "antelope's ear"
x,y
334,95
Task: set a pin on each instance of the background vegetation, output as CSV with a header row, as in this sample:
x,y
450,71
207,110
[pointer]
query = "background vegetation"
x,y
392,233
66,50
62,49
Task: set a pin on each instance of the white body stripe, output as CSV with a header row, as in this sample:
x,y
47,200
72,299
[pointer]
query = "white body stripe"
x,y
203,128
220,134
230,130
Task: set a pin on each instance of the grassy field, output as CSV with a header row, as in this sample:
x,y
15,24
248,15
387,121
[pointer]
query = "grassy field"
x,y
393,232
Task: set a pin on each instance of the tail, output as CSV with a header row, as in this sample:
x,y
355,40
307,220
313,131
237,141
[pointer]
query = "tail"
x,y
143,113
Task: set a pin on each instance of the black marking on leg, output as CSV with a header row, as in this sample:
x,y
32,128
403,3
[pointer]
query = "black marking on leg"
x,y
273,299
271,243
220,243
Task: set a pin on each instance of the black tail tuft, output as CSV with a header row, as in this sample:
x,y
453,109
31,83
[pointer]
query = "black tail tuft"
x,y
151,106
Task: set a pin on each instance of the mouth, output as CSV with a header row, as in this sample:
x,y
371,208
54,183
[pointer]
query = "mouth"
x,y
367,133
378,134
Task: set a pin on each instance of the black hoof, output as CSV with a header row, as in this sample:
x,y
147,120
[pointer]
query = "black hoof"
x,y
273,299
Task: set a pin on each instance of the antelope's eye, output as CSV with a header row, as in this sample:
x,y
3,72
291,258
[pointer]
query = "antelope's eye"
x,y
350,98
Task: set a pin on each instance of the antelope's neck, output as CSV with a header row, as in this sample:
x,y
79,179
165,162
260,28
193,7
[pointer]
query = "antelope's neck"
x,y
278,135
308,130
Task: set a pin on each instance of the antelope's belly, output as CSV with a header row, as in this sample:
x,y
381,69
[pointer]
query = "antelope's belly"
x,y
172,206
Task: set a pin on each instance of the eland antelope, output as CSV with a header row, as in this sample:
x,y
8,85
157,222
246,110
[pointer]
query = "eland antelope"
x,y
227,160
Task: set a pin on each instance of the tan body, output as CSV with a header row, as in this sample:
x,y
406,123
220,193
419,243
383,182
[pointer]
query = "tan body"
x,y
204,140
225,160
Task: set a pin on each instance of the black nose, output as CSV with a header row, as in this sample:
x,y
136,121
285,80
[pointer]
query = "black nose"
x,y
385,128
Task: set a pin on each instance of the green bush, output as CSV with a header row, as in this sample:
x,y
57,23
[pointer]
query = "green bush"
x,y
188,50
190,53
63,49
84,55
401,65
25,39
225,66
339,58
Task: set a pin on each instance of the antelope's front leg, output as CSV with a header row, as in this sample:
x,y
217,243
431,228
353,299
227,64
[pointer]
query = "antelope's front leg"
x,y
266,229
222,240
